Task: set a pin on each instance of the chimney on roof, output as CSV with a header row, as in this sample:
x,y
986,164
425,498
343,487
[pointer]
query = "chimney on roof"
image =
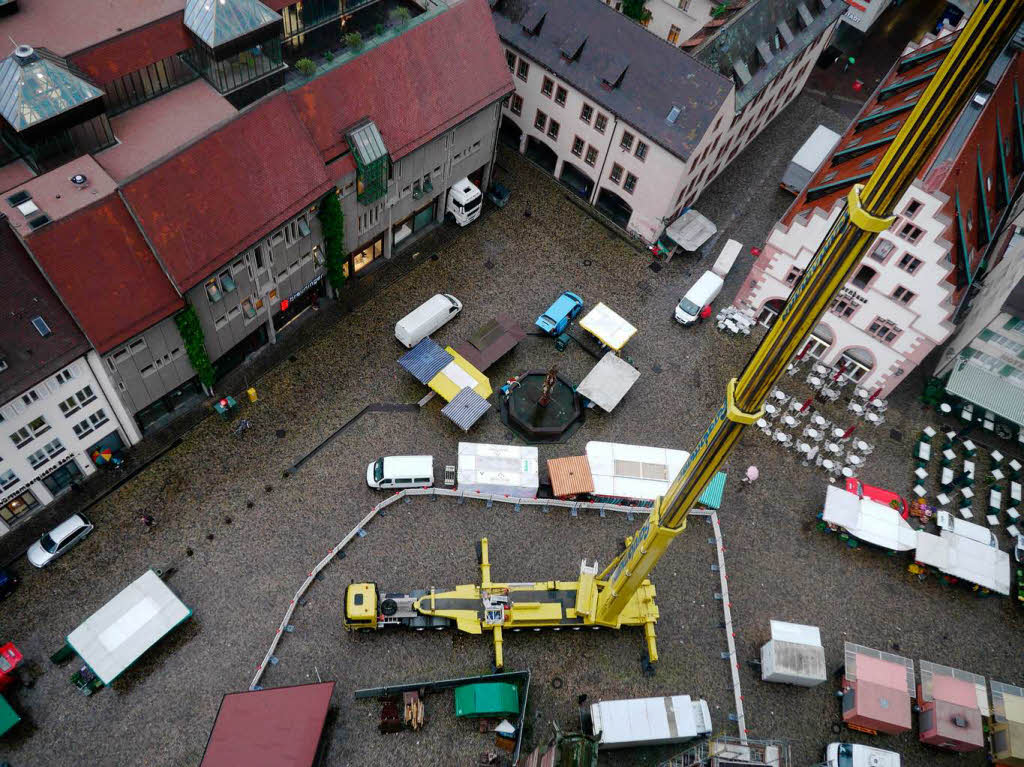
x,y
25,55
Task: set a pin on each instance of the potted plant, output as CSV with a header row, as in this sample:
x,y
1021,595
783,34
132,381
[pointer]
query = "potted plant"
x,y
379,30
306,67
329,56
354,40
400,16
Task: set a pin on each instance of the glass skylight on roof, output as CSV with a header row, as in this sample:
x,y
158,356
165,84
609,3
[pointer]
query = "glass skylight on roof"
x,y
35,88
217,22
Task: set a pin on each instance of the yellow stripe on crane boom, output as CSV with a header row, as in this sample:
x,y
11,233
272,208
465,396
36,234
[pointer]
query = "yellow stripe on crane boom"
x,y
869,210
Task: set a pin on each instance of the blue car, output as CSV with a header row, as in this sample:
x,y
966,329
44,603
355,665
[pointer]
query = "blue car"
x,y
558,316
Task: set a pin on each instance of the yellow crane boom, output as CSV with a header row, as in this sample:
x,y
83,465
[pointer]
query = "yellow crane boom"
x,y
623,595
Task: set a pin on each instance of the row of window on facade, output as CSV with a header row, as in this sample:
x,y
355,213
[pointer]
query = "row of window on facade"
x,y
32,396
69,407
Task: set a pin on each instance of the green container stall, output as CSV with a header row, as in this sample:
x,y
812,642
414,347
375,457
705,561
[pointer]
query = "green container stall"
x,y
8,716
486,699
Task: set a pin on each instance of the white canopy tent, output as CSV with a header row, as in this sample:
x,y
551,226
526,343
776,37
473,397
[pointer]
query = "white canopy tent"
x,y
965,558
607,327
869,521
691,230
120,632
633,471
608,381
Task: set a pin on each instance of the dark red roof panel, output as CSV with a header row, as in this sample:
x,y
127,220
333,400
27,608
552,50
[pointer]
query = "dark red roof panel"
x,y
24,294
99,263
200,207
280,727
414,87
133,50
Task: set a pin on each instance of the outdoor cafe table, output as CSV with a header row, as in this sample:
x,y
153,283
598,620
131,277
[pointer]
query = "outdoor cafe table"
x,y
779,395
225,405
945,408
921,473
929,431
995,499
1015,464
770,409
814,381
969,469
1015,491
949,455
818,420
967,493
789,420
997,474
947,477
924,451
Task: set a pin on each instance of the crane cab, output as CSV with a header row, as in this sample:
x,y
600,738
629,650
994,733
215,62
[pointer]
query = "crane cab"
x,y
360,606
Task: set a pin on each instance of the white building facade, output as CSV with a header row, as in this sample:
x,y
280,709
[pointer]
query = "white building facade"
x,y
890,315
609,143
675,21
49,431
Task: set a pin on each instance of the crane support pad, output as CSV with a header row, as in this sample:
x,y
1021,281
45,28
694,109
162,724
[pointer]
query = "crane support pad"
x,y
732,412
861,218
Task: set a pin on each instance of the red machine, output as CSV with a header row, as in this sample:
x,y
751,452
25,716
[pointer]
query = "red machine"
x,y
10,659
878,495
877,688
952,704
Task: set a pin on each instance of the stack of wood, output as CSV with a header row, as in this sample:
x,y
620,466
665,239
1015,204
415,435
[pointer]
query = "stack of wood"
x,y
413,710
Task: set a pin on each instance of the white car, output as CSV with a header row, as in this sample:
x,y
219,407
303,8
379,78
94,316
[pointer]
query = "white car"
x,y
61,538
856,755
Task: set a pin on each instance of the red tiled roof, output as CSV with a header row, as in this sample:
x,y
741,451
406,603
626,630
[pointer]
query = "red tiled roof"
x,y
414,87
24,294
134,49
200,207
99,263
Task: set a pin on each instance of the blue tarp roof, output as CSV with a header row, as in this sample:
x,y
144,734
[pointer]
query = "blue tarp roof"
x,y
711,498
425,360
466,408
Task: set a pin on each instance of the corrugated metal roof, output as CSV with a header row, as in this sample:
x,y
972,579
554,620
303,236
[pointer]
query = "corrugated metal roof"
x,y
711,498
466,408
988,390
425,360
570,476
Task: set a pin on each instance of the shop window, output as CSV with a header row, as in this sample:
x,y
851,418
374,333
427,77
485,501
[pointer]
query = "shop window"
x,y
363,258
18,506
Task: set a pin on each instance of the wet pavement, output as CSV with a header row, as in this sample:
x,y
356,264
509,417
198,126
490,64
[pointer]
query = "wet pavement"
x,y
241,536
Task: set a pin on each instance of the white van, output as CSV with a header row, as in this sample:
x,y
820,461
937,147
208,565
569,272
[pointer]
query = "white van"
x,y
856,755
399,471
707,288
464,202
426,318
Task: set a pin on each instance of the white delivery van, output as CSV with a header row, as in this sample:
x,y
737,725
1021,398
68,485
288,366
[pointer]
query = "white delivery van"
x,y
707,288
856,755
648,721
400,471
426,318
805,162
464,202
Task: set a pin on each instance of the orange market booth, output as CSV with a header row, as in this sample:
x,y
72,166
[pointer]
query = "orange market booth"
x,y
1007,729
877,688
570,476
952,703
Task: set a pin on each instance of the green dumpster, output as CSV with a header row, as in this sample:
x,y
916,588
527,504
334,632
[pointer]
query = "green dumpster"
x,y
8,716
487,699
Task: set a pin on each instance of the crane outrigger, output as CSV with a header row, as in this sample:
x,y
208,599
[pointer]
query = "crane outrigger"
x,y
622,594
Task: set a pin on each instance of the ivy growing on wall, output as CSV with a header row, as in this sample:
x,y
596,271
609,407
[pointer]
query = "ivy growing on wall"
x,y
195,346
635,10
332,221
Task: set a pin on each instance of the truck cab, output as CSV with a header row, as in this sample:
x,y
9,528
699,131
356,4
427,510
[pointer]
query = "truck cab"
x,y
464,202
558,316
856,755
366,609
360,606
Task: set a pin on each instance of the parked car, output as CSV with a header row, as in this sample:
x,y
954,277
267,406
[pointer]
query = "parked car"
x,y
400,471
558,316
57,542
856,755
8,582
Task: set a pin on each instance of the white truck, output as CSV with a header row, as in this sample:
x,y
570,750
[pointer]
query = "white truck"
x,y
647,721
464,202
707,288
807,159
856,755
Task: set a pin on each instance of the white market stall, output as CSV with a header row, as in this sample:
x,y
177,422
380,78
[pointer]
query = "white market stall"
x,y
633,471
607,327
794,655
960,551
608,381
120,632
866,520
509,470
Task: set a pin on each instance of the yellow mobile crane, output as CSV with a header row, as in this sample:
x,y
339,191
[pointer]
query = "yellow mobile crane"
x,y
622,594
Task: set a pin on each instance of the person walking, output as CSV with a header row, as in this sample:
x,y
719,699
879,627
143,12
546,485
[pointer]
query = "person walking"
x,y
751,476
147,520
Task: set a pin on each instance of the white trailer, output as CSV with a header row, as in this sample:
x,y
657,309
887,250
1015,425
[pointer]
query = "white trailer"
x,y
649,721
498,470
807,159
633,471
793,656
